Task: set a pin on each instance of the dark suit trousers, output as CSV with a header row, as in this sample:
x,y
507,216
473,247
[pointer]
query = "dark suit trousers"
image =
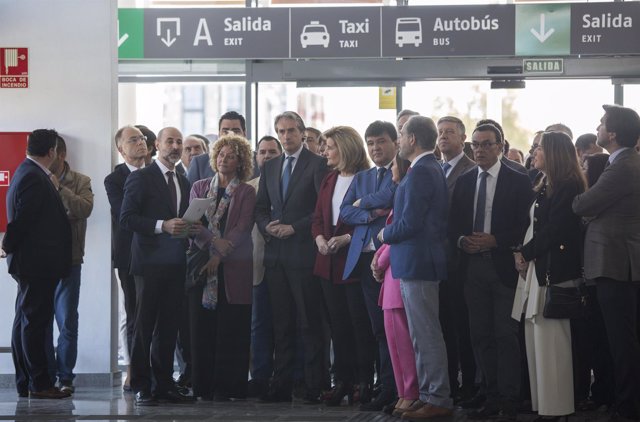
x,y
220,342
128,285
158,304
371,290
619,305
454,319
353,343
295,294
34,314
494,334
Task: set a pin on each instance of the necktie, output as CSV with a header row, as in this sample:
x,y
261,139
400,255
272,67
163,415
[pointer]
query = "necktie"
x,y
478,222
173,195
446,167
381,172
286,177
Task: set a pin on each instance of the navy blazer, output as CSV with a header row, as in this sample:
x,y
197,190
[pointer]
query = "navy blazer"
x,y
38,236
199,168
146,200
557,233
417,234
296,209
120,237
363,187
509,217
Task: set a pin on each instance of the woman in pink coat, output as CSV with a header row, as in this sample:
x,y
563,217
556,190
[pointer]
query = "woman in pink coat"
x,y
395,318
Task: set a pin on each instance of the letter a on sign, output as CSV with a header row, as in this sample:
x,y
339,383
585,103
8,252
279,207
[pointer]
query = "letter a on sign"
x,y
202,33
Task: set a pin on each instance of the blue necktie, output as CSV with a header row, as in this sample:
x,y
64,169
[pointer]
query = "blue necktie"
x,y
286,176
478,222
381,172
445,168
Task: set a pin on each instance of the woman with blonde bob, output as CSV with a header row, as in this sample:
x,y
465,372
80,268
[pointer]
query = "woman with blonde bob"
x,y
551,255
353,341
220,306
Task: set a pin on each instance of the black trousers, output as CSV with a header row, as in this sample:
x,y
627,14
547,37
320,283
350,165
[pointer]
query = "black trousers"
x,y
619,304
353,342
158,303
128,285
296,296
34,313
220,344
371,292
454,320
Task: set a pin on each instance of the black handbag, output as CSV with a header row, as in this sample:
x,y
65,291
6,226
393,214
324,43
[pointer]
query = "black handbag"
x,y
196,260
564,302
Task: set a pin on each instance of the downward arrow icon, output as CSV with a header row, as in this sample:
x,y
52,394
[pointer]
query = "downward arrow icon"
x,y
543,35
168,41
123,38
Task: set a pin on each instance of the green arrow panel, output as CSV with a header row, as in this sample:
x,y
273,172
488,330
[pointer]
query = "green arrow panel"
x,y
130,33
543,29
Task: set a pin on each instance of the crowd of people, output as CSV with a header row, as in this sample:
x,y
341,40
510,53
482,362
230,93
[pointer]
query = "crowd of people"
x,y
408,270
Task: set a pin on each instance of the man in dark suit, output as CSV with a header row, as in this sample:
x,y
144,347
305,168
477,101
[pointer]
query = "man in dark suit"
x,y
612,248
37,245
365,206
505,147
453,310
130,142
155,198
286,201
489,216
417,237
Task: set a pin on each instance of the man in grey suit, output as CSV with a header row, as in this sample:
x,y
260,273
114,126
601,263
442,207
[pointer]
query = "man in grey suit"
x,y
612,248
453,310
286,201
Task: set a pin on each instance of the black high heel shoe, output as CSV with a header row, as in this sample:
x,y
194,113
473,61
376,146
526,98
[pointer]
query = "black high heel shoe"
x,y
340,390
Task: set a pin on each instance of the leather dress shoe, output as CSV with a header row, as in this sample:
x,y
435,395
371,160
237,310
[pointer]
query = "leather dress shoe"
x,y
488,411
382,399
175,397
428,411
414,406
49,393
144,398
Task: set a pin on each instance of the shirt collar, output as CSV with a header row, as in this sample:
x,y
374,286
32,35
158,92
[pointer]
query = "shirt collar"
x,y
493,170
133,168
613,156
295,155
455,159
386,167
46,170
164,169
415,160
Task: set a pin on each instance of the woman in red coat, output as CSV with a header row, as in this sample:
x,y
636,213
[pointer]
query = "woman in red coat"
x,y
353,342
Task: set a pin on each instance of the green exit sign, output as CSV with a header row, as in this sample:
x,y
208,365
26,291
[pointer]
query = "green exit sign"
x,y
543,66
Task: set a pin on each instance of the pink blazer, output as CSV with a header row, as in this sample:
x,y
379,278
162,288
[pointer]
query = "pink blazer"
x,y
238,267
390,296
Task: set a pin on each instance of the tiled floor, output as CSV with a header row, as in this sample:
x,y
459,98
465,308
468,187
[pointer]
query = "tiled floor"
x,y
106,404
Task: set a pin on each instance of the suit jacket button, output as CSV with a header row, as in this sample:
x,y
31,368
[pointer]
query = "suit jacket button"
x,y
537,205
535,219
561,247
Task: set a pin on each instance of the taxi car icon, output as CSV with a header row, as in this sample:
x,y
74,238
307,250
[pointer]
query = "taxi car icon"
x,y
314,34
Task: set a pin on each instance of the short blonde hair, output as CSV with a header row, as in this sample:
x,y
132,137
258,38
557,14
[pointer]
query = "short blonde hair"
x,y
241,148
353,156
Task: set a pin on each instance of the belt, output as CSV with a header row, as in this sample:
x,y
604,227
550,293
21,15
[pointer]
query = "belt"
x,y
481,255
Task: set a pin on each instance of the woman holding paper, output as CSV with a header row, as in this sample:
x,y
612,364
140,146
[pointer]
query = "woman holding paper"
x,y
220,306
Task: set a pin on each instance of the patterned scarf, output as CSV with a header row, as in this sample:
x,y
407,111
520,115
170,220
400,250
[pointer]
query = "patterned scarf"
x,y
214,215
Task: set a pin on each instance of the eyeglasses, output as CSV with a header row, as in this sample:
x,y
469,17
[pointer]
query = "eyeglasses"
x,y
136,139
483,145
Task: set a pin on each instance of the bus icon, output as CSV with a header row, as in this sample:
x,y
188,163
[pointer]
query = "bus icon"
x,y
408,31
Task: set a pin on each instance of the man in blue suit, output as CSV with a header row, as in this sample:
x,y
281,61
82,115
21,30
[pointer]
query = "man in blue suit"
x,y
418,258
155,198
365,206
37,245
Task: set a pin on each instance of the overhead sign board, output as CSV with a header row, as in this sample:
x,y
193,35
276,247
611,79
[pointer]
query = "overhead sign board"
x,y
555,29
605,28
425,31
335,32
